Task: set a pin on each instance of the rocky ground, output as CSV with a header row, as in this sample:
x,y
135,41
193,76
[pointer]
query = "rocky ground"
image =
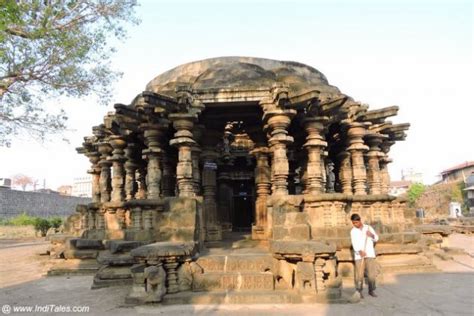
x,y
450,292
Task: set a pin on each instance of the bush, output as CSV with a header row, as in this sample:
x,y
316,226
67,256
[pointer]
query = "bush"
x,y
56,222
42,225
22,220
414,192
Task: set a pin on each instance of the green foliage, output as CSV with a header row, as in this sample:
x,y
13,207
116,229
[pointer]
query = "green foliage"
x,y
457,193
54,48
56,222
22,220
414,192
42,225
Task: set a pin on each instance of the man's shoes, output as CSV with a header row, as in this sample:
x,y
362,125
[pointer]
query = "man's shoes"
x,y
361,295
372,293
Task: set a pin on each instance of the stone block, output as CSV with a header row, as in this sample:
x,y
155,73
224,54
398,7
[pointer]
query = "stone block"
x,y
107,258
109,273
305,277
249,263
212,263
280,232
296,218
89,244
117,246
81,254
233,281
299,232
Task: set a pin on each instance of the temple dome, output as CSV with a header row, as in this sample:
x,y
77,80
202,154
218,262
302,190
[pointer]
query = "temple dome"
x,y
239,74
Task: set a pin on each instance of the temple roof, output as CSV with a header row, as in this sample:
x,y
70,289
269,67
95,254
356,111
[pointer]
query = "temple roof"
x,y
242,74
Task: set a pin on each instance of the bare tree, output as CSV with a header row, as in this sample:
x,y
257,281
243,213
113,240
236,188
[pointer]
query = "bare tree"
x,y
22,180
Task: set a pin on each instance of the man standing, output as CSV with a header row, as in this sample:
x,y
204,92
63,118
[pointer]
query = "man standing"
x,y
363,238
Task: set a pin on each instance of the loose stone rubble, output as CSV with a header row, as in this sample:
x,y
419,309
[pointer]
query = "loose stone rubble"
x,y
238,144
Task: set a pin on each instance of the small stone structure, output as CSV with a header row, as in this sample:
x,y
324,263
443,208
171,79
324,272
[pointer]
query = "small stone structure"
x,y
238,144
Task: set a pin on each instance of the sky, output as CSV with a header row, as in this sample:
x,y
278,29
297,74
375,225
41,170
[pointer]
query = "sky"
x,y
414,54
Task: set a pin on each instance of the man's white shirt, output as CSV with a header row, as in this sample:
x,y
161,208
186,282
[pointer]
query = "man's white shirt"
x,y
358,237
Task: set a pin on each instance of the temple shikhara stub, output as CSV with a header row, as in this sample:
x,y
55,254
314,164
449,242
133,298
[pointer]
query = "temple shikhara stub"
x,y
233,180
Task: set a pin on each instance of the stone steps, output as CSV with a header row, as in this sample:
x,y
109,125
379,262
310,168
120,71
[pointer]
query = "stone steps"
x,y
248,297
74,267
112,276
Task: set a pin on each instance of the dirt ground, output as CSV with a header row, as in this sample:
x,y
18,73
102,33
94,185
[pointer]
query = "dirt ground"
x,y
450,292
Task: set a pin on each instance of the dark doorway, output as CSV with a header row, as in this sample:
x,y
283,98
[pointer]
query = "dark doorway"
x,y
243,206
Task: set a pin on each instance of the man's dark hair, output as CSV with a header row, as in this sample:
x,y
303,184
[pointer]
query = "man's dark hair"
x,y
355,217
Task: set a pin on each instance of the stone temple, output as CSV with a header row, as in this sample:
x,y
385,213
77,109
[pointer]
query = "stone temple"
x,y
233,180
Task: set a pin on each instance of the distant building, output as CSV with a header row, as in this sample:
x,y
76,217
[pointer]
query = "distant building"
x,y
412,175
82,187
65,190
399,187
458,173
6,183
470,193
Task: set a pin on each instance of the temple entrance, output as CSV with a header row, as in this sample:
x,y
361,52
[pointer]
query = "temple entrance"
x,y
243,206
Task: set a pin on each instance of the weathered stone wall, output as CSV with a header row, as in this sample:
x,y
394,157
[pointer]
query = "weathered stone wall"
x,y
436,198
13,202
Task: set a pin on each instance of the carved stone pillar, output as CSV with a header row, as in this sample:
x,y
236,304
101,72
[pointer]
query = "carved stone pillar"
x,y
345,172
130,171
277,123
209,184
183,140
118,180
94,158
384,175
315,146
153,139
105,179
263,184
384,161
355,133
373,157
